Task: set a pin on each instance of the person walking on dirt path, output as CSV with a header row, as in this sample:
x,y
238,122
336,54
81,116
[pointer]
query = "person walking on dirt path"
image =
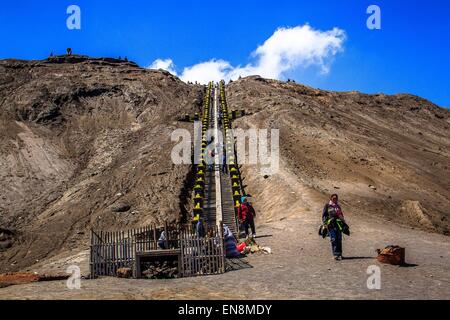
x,y
333,219
246,216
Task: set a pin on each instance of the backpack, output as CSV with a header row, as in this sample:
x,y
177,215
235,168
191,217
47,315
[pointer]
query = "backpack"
x,y
339,224
323,231
246,210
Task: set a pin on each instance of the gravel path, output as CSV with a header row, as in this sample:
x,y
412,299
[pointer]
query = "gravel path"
x,y
301,267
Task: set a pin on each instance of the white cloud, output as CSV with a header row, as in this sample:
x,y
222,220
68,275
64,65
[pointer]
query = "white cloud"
x,y
207,71
288,49
166,64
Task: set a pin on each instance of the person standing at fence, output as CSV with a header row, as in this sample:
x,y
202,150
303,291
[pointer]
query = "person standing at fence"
x,y
162,241
246,216
200,228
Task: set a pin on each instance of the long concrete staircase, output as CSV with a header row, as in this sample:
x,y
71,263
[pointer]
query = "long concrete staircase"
x,y
218,200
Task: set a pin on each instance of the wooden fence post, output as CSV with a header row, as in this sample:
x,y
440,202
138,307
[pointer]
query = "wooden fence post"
x,y
167,234
221,238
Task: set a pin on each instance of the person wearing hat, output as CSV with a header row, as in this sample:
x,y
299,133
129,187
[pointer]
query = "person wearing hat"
x,y
246,216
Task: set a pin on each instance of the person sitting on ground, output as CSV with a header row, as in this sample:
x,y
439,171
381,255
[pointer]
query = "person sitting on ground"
x,y
333,219
246,216
230,243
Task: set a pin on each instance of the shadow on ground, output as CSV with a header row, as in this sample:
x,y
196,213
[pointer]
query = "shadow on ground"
x,y
357,258
235,264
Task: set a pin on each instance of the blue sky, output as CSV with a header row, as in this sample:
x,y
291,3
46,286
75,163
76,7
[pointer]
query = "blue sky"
x,y
410,54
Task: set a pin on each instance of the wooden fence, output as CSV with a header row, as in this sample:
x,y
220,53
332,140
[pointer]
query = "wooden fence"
x,y
202,255
113,250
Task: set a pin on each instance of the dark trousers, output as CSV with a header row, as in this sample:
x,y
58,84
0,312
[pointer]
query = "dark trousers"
x,y
336,241
249,223
225,168
162,245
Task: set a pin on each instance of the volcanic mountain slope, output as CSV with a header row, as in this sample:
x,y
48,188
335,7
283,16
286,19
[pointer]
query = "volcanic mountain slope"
x,y
387,156
86,143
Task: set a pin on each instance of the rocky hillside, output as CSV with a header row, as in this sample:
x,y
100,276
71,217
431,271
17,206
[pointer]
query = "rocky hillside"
x,y
387,156
86,143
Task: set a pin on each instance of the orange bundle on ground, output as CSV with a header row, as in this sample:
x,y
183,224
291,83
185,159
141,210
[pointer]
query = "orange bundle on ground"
x,y
392,255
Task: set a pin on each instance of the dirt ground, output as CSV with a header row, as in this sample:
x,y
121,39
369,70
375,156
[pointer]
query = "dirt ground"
x,y
300,267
